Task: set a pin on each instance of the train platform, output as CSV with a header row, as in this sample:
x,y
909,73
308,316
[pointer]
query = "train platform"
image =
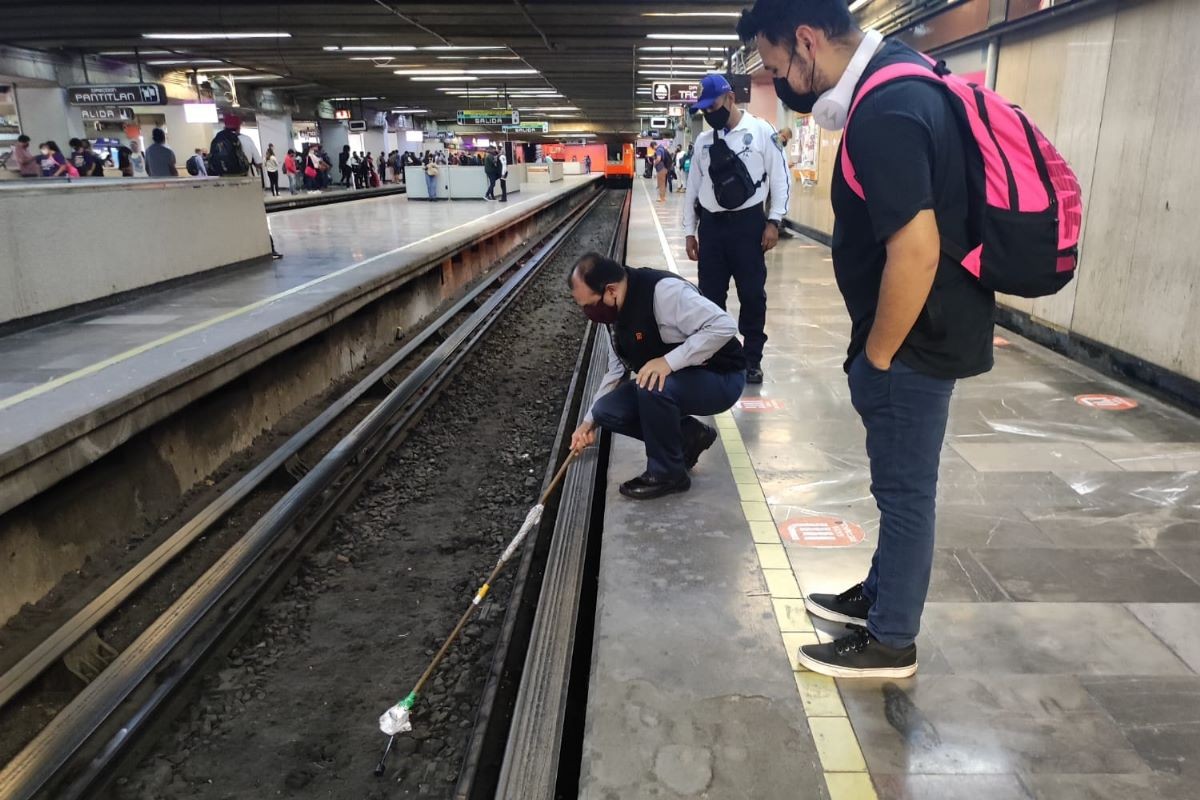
x,y
1058,652
73,389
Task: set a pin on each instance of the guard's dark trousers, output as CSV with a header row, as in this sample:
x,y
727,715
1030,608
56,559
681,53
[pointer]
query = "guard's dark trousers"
x,y
656,417
731,247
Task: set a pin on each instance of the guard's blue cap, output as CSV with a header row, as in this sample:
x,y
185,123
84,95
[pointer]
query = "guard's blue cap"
x,y
711,88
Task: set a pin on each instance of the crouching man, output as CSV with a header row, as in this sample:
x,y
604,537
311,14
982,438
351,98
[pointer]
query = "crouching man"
x,y
674,354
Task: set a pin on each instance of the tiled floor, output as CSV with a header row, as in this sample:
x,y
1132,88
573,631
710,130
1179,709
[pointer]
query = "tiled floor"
x,y
1060,645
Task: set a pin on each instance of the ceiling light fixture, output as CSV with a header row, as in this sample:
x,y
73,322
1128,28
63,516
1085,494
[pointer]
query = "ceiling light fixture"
x,y
399,48
677,58
691,14
858,5
216,36
696,37
451,47
221,70
175,62
425,71
251,78
681,49
443,78
479,58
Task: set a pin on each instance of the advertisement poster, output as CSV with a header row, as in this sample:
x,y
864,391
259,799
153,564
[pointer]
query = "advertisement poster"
x,y
807,141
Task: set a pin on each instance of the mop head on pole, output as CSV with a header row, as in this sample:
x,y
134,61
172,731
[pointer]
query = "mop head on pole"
x,y
398,718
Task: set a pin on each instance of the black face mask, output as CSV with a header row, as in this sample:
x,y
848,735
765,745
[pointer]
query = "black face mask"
x,y
718,118
800,103
601,313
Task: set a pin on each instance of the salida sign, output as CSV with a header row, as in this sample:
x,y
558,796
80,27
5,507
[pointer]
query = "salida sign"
x,y
131,94
492,116
106,114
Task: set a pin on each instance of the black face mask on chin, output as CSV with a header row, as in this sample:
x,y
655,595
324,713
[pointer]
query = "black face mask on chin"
x,y
800,103
718,118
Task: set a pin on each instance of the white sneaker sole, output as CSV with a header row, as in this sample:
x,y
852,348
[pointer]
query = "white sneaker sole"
x,y
821,668
832,616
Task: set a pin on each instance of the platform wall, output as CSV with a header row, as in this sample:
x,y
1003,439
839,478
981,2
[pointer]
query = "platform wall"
x,y
57,245
1127,123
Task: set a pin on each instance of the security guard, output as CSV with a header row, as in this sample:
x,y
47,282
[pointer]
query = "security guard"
x,y
684,357
739,163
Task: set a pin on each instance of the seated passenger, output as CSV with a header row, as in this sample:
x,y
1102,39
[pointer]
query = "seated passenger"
x,y
684,356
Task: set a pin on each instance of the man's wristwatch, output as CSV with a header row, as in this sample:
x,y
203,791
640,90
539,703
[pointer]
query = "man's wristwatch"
x,y
776,223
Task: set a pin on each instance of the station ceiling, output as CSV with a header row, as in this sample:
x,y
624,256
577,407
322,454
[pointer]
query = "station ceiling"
x,y
563,61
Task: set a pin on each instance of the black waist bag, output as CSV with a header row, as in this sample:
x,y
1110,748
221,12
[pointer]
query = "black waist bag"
x,y
731,181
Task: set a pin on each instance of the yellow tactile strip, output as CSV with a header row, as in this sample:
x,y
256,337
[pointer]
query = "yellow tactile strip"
x,y
841,756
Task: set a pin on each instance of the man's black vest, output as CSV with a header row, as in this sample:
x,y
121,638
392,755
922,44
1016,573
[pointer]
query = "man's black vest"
x,y
635,334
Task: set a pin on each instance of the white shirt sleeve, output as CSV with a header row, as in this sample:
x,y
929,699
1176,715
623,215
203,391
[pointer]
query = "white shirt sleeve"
x,y
612,378
691,196
681,310
780,177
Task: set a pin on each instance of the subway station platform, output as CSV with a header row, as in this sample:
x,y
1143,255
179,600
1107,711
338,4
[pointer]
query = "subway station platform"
x,y
75,388
1058,655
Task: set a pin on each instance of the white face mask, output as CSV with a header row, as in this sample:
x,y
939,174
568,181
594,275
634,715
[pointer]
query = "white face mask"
x,y
833,107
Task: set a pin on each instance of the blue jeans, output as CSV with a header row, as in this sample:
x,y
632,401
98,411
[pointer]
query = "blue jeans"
x,y
905,414
431,185
656,417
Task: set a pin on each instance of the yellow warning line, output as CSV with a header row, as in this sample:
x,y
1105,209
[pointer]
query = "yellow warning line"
x,y
837,744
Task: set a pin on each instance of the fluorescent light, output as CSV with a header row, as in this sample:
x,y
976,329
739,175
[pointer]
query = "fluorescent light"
x,y
502,72
709,59
681,49
216,36
399,48
858,5
447,48
411,110
430,72
249,78
479,58
548,108
173,61
222,70
695,13
698,37
132,53
563,116
443,78
200,112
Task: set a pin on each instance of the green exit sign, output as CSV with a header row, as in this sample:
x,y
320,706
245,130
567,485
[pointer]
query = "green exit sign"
x,y
492,116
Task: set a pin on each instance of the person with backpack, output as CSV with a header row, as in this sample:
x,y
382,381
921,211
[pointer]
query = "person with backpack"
x,y
226,155
738,167
491,169
271,166
197,165
920,242
82,158
289,169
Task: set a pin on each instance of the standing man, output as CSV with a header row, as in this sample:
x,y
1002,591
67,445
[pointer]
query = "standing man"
x,y
919,320
685,359
197,165
160,159
491,170
587,164
503,177
737,165
660,171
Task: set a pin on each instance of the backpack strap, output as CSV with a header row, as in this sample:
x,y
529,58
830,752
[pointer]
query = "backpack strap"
x,y
888,74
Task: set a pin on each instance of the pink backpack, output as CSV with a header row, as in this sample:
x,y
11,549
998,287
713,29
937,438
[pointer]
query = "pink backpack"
x,y
1026,206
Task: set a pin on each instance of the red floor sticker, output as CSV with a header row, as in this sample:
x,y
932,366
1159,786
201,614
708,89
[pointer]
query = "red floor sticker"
x,y
821,532
1000,341
1106,402
759,405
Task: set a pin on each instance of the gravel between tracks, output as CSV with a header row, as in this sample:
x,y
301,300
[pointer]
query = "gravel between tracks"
x,y
292,711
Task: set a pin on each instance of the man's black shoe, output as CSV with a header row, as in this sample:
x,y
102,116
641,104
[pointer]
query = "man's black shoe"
x,y
754,374
858,654
648,487
851,606
697,437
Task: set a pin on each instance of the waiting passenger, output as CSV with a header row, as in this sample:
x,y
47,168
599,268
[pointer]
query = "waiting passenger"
x,y
684,357
431,176
587,164
197,164
271,165
137,160
53,163
491,171
160,159
25,162
229,156
289,169
344,166
918,319
81,158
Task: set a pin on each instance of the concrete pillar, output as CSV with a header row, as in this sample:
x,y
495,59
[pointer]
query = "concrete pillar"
x,y
182,136
334,136
45,115
276,130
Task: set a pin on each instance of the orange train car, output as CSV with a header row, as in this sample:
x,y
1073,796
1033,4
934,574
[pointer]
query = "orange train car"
x,y
619,174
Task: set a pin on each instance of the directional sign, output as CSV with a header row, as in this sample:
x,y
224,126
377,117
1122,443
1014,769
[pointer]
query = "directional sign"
x,y
494,116
133,94
527,127
106,114
672,92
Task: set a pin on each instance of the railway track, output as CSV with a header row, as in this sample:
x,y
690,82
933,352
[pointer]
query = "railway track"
x,y
98,732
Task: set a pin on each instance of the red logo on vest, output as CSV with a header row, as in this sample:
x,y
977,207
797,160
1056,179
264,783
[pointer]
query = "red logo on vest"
x,y
639,336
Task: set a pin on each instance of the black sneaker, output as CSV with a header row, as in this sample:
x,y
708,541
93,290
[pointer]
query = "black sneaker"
x,y
858,654
648,487
754,374
851,606
697,437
